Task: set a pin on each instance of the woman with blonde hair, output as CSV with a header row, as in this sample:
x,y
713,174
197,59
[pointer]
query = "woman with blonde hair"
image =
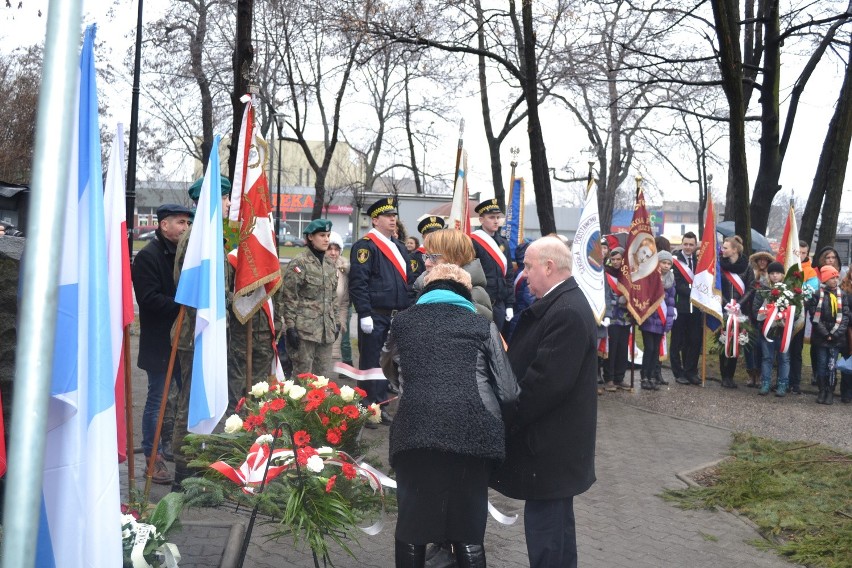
x,y
451,246
458,395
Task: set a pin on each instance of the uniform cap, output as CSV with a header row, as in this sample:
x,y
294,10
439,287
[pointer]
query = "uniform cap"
x,y
429,224
317,226
384,206
195,189
488,206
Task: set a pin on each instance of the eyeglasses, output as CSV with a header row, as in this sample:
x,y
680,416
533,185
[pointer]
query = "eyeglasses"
x,y
432,257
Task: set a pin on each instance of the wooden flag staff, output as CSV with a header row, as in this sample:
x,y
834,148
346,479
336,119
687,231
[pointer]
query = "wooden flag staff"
x,y
128,411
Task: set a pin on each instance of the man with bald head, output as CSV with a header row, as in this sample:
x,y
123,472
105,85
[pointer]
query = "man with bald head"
x,y
550,449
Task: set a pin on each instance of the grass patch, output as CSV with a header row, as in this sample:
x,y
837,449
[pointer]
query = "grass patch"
x,y
799,493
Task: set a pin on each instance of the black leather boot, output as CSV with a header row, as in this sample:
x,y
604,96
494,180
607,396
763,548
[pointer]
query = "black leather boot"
x,y
409,555
829,393
822,390
469,555
658,377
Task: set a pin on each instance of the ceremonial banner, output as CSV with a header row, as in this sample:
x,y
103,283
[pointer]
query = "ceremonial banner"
x,y
258,273
80,521
588,265
639,280
788,247
202,286
120,285
460,209
513,229
706,294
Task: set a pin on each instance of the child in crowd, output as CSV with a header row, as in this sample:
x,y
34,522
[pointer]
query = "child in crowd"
x,y
659,323
829,313
759,262
771,348
619,327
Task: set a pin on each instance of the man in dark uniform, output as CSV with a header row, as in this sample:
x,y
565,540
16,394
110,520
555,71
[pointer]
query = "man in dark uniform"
x,y
686,333
155,293
424,227
491,249
379,285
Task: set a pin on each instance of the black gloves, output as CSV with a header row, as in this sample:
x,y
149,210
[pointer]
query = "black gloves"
x,y
293,338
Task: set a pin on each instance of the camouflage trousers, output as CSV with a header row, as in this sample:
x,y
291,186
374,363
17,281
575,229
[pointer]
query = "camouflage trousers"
x,y
312,357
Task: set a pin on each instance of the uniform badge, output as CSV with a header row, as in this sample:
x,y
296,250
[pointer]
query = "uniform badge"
x,y
363,255
414,265
297,269
503,248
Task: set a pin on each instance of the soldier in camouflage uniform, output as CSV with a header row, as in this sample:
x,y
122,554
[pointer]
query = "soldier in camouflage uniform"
x,y
307,303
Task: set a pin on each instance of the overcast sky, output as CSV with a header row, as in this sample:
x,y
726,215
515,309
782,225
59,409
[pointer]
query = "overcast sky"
x,y
565,141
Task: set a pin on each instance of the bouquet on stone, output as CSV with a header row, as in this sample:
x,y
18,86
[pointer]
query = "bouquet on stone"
x,y
293,449
144,533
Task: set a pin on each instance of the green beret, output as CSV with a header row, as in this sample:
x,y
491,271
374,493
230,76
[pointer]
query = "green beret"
x,y
195,189
317,226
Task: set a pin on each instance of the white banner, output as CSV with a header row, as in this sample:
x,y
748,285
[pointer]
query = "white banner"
x,y
588,269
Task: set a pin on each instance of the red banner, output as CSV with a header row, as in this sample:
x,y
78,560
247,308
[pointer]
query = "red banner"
x,y
640,281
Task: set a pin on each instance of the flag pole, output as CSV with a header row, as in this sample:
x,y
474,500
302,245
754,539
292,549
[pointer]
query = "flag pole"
x,y
40,281
703,348
632,355
249,349
128,411
459,151
153,458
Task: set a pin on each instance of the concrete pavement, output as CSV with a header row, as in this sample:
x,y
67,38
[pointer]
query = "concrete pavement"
x,y
621,521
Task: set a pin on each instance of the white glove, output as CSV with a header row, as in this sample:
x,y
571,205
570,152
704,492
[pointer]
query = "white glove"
x,y
605,322
367,324
510,313
675,314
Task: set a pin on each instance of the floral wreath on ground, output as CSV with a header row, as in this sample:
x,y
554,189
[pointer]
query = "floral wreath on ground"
x,y
303,435
737,325
145,530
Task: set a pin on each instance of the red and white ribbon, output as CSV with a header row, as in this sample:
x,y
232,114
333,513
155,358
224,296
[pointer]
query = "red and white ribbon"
x,y
732,330
786,318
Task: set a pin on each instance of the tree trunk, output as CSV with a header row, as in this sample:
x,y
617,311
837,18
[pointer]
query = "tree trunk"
x,y
730,66
606,198
493,142
418,187
243,57
766,185
831,170
538,152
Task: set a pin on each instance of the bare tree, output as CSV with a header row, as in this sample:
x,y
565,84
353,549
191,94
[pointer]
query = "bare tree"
x,y
20,78
186,76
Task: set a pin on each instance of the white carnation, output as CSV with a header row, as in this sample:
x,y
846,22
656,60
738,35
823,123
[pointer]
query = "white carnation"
x,y
315,464
264,440
296,392
320,382
259,389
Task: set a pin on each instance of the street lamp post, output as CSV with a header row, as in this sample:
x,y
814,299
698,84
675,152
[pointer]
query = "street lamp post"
x,y
279,121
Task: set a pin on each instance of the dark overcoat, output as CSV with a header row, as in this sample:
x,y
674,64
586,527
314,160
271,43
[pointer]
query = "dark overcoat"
x,y
550,452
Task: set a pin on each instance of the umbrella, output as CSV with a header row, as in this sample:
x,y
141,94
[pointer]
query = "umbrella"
x,y
758,241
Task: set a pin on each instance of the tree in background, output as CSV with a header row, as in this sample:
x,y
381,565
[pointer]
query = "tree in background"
x,y
20,77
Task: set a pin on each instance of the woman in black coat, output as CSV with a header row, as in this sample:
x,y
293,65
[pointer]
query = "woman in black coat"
x,y
448,433
738,285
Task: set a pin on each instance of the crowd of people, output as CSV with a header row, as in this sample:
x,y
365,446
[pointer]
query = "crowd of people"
x,y
505,344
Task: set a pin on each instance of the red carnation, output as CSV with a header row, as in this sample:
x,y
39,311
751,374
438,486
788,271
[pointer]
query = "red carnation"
x,y
351,411
349,471
335,410
333,436
277,404
334,388
301,438
324,419
343,427
306,376
776,292
797,290
360,392
252,421
312,405
330,485
302,454
240,404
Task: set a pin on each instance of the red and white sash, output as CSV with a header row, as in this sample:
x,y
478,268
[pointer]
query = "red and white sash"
x,y
519,278
490,245
613,283
787,317
684,270
390,251
661,313
735,281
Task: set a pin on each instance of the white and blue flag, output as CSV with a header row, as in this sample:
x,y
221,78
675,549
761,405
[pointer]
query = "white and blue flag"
x,y
202,286
80,522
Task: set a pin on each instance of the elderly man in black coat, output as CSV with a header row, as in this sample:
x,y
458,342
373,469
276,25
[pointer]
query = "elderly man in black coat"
x,y
550,451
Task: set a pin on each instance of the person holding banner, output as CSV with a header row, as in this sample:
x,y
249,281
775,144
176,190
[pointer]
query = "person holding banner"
x,y
619,328
492,250
379,286
686,331
737,291
654,328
